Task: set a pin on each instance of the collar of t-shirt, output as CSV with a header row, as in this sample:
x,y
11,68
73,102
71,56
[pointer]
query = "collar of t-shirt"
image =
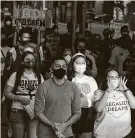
x,y
27,76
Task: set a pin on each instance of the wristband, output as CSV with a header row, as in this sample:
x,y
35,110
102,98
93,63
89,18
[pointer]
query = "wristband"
x,y
107,91
126,90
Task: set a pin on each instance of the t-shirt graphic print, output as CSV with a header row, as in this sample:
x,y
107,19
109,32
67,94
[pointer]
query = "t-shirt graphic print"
x,y
115,120
117,106
86,87
27,87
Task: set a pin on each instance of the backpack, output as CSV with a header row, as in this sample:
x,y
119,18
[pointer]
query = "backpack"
x,y
9,66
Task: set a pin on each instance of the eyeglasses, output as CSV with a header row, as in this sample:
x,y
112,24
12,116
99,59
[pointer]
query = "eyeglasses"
x,y
113,77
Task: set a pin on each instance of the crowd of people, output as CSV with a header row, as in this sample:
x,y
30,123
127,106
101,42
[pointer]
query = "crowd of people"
x,y
86,94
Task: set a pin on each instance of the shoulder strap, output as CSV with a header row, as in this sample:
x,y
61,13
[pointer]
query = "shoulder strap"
x,y
3,54
16,84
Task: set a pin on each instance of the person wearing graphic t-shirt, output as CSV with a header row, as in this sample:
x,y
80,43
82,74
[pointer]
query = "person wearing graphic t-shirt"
x,y
113,106
86,86
57,104
21,89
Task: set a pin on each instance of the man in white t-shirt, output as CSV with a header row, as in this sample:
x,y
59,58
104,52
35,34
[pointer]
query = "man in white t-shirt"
x,y
113,108
120,53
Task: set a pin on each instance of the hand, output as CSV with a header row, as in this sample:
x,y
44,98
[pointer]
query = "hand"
x,y
24,101
123,83
59,134
54,127
18,28
61,127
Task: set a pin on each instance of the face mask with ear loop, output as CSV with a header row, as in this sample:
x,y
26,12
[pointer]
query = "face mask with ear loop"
x,y
80,68
68,58
29,64
59,73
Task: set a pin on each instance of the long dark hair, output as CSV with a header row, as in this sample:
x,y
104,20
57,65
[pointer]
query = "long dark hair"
x,y
104,85
20,70
71,72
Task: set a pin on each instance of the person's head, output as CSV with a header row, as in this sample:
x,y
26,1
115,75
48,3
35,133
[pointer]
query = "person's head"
x,y
77,65
59,67
8,21
106,33
96,40
124,30
42,38
29,47
25,35
55,29
79,35
67,54
88,35
113,78
28,60
70,27
81,45
126,41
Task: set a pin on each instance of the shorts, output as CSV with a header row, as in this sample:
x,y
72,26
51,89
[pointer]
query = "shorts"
x,y
86,121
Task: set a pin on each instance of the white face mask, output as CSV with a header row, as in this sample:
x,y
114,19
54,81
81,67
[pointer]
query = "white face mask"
x,y
115,83
67,58
80,68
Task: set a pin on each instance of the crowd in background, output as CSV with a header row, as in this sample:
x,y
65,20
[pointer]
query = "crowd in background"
x,y
35,63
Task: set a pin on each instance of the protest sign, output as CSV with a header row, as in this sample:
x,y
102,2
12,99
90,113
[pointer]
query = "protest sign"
x,y
32,13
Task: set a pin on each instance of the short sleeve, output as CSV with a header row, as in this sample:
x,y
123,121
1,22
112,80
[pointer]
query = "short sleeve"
x,y
97,95
76,102
39,100
42,79
13,52
11,80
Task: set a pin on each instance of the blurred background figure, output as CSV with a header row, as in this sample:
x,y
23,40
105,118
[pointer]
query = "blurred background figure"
x,y
8,30
66,39
120,53
67,55
124,30
81,47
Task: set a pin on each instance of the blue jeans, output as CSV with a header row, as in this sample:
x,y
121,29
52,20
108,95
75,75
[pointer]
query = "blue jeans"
x,y
21,123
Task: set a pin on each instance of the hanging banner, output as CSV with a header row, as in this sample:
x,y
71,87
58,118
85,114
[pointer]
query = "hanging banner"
x,y
32,13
